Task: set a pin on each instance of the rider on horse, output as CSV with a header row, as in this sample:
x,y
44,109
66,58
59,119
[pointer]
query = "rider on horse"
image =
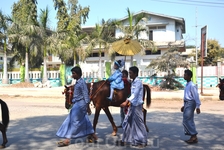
x,y
115,79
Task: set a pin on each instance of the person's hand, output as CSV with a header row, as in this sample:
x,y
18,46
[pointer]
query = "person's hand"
x,y
198,110
182,109
124,104
89,112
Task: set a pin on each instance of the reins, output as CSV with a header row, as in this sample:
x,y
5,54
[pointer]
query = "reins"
x,y
91,90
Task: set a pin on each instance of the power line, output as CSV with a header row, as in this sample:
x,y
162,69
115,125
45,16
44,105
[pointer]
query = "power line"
x,y
205,2
187,3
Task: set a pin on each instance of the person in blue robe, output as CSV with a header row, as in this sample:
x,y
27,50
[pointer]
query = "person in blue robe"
x,y
134,130
115,79
77,123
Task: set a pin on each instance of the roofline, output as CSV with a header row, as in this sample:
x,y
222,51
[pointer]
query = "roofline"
x,y
88,27
179,19
157,14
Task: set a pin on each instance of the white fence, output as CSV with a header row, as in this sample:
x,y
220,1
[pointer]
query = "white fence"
x,y
32,75
207,71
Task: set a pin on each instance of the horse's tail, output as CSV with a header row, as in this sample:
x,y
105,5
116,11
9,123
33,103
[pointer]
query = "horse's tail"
x,y
5,113
148,97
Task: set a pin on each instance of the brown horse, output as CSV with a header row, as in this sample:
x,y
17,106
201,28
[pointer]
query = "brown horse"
x,y
99,91
5,122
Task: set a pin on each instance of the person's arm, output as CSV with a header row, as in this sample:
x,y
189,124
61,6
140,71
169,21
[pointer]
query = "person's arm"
x,y
113,77
195,95
85,92
135,92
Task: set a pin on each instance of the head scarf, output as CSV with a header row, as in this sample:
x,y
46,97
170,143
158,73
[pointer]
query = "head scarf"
x,y
120,63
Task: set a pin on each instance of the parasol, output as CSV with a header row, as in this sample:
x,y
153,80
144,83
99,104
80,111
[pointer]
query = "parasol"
x,y
127,47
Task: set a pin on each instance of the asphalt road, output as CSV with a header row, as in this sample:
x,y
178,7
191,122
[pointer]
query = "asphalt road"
x,y
35,118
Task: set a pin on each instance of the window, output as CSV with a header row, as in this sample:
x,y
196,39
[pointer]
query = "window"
x,y
161,27
156,27
96,55
151,35
149,52
152,28
1,58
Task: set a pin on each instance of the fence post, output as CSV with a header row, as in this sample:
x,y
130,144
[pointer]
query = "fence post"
x,y
218,69
108,69
62,74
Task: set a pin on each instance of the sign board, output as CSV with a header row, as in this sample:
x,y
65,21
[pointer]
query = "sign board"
x,y
204,41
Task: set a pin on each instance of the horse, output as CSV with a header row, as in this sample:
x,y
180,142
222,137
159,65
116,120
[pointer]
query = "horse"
x,y
221,89
99,91
5,122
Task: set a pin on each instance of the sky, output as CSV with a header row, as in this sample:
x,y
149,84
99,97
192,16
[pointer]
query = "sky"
x,y
196,13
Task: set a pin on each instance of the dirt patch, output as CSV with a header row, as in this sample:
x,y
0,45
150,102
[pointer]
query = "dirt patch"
x,y
23,85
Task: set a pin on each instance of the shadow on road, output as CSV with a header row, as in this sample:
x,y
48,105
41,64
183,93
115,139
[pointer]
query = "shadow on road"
x,y
165,132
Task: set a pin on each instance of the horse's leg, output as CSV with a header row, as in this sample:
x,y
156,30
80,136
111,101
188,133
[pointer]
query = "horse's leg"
x,y
107,111
144,115
4,137
96,117
91,138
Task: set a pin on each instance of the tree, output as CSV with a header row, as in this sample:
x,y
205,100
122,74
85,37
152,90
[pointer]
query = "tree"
x,y
69,31
25,12
214,52
4,25
100,39
134,28
45,35
168,62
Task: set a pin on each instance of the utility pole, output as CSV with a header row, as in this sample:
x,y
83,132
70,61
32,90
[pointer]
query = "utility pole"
x,y
196,48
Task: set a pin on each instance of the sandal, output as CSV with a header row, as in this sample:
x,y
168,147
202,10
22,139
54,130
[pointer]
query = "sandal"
x,y
120,143
192,140
95,137
2,146
92,138
63,143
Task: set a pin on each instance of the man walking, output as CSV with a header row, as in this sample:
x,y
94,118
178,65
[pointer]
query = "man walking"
x,y
191,102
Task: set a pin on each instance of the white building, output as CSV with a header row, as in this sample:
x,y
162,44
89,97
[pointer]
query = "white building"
x,y
164,30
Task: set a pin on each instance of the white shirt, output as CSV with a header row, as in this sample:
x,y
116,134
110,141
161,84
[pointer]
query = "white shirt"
x,y
191,93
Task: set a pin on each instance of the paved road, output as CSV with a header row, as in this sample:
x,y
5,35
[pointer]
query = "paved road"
x,y
36,114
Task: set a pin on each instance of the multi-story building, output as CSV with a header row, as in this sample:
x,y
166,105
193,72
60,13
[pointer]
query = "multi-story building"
x,y
163,29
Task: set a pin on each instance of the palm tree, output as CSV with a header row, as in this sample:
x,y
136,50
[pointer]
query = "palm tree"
x,y
133,28
30,39
45,35
70,37
26,29
24,37
100,39
4,25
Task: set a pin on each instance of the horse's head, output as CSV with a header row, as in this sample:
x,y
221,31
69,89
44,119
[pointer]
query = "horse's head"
x,y
68,91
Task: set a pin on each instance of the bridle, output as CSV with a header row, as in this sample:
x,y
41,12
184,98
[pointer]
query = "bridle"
x,y
91,94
